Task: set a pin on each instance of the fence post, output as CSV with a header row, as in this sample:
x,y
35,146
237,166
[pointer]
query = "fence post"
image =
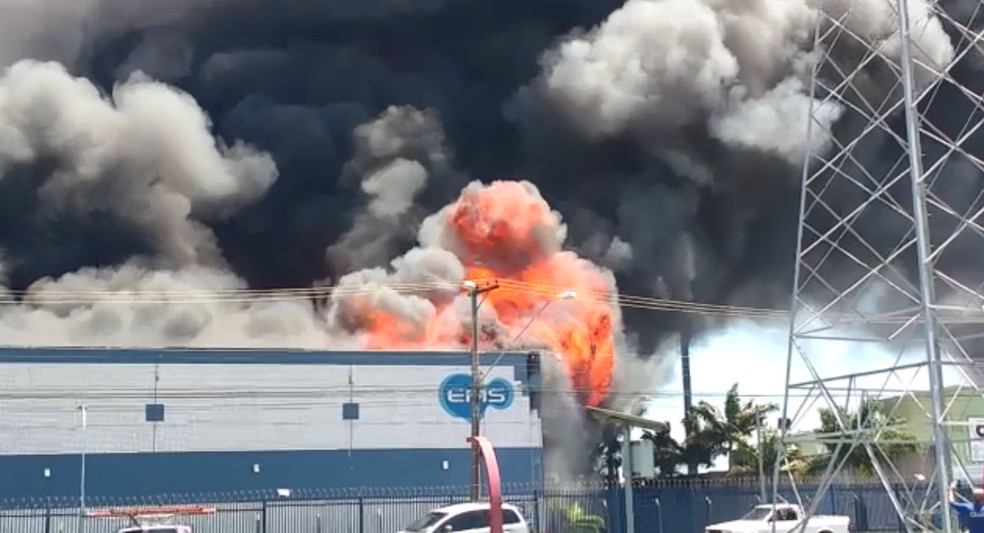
x,y
537,495
362,515
263,517
47,518
659,515
862,509
707,517
318,523
692,504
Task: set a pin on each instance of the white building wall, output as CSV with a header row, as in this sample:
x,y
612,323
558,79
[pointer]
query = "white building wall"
x,y
242,407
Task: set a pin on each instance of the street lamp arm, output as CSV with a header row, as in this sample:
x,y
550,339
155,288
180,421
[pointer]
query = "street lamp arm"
x,y
566,295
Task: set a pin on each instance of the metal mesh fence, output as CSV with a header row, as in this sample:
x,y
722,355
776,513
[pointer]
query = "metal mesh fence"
x,y
659,508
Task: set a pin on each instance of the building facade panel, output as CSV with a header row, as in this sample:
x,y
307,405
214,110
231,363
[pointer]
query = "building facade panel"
x,y
253,420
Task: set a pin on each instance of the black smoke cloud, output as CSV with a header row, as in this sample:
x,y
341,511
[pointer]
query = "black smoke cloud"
x,y
217,145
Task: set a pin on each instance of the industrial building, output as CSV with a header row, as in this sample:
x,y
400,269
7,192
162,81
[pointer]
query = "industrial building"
x,y
212,421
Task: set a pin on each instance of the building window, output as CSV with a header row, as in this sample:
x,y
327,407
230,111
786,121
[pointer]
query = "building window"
x,y
350,411
154,412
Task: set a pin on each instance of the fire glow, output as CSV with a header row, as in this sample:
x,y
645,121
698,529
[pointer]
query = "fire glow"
x,y
506,232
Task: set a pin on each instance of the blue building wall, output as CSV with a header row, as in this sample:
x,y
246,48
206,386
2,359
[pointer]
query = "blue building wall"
x,y
132,453
124,475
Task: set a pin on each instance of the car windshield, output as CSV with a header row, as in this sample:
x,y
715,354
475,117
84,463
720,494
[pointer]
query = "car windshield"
x,y
426,521
758,513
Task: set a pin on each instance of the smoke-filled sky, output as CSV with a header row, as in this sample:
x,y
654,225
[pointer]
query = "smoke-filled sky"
x,y
647,147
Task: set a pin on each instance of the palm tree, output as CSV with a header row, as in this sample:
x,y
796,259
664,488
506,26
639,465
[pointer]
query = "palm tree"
x,y
876,426
670,455
727,432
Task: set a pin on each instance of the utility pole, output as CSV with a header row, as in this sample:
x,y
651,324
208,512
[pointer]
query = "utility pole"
x,y
688,400
475,398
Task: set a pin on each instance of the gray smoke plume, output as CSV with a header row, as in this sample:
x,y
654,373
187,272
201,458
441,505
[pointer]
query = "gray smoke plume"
x,y
156,154
146,156
654,67
135,305
394,157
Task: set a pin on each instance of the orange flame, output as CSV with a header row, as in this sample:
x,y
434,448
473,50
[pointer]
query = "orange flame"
x,y
506,231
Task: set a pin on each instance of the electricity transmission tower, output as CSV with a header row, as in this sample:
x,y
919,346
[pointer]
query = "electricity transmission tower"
x,y
888,326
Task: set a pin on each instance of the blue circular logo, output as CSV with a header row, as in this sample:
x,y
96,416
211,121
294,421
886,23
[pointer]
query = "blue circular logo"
x,y
455,395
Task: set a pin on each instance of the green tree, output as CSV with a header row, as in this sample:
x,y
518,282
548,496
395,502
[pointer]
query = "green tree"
x,y
670,455
794,462
870,419
728,431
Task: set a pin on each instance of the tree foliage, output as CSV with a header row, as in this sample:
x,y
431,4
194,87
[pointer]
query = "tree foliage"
x,y
888,433
731,432
727,432
713,433
576,520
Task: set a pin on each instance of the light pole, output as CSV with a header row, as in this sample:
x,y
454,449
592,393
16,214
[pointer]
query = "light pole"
x,y
476,387
478,379
82,411
761,456
627,480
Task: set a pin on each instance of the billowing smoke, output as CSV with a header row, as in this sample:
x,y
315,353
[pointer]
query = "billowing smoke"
x,y
157,158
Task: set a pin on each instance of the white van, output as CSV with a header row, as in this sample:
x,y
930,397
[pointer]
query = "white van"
x,y
468,518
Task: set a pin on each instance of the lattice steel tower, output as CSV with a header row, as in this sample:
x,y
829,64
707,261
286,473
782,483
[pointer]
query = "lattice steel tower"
x,y
888,325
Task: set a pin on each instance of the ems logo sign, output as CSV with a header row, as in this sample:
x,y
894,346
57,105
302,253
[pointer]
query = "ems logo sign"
x,y
455,395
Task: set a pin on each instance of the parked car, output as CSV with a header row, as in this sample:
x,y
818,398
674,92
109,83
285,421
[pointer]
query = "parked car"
x,y
156,529
468,518
785,517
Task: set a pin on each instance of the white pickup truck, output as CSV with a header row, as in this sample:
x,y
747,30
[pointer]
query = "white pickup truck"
x,y
787,517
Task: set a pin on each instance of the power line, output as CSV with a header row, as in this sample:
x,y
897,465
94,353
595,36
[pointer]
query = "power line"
x,y
389,395
954,315
249,296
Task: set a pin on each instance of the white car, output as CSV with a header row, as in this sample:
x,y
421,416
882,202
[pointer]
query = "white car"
x,y
467,518
156,529
787,517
